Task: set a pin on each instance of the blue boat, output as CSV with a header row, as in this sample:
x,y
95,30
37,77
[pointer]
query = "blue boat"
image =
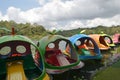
x,y
86,47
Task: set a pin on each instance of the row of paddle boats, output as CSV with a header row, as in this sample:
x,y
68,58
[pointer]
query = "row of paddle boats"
x,y
22,59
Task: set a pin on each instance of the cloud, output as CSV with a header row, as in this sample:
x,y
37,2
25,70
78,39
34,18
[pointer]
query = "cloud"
x,y
5,17
104,21
68,14
88,23
81,9
69,25
43,2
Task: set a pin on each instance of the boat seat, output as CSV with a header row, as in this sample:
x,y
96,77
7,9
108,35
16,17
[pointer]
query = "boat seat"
x,y
51,58
56,58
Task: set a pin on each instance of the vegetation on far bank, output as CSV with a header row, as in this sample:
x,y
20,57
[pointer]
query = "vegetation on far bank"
x,y
35,31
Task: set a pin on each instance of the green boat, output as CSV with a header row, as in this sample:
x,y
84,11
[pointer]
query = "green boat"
x,y
16,59
59,54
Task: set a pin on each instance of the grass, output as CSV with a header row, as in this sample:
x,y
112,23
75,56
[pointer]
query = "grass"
x,y
110,73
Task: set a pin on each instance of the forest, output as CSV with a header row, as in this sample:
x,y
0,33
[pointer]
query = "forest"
x,y
35,31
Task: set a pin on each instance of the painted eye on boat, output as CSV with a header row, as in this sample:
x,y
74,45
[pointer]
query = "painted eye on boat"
x,y
62,45
5,50
107,39
51,45
21,49
77,43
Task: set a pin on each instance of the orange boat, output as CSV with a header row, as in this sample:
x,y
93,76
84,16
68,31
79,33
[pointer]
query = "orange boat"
x,y
106,46
102,44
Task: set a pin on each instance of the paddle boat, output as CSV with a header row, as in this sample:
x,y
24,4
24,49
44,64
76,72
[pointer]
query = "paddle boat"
x,y
108,40
116,39
89,53
86,47
100,41
16,59
104,41
59,54
105,45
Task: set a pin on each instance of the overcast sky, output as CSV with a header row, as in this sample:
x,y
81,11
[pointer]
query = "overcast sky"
x,y
62,14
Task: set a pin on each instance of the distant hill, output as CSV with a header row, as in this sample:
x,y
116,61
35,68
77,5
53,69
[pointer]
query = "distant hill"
x,y
31,30
108,30
35,31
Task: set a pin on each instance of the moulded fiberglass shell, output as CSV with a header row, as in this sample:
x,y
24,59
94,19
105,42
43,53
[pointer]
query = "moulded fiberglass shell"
x,y
102,44
108,40
16,59
106,46
59,54
104,41
86,47
116,41
116,38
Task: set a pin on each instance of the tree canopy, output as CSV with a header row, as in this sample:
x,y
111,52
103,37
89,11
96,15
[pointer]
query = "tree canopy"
x,y
36,31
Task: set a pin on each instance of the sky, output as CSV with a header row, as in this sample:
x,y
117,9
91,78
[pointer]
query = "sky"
x,y
62,14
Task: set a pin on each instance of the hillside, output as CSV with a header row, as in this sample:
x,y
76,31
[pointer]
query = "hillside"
x,y
108,30
35,31
31,30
